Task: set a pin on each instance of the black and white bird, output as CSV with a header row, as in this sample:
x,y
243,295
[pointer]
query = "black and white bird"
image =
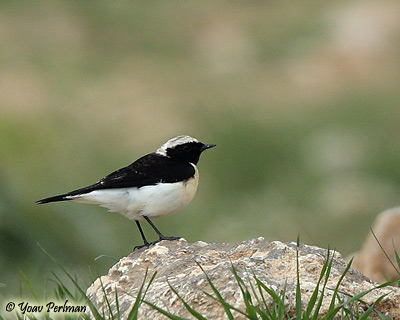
x,y
157,184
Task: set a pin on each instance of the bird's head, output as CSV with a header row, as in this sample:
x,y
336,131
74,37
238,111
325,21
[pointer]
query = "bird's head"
x,y
184,148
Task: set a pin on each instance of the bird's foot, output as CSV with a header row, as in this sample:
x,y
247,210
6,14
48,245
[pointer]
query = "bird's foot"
x,y
164,238
148,244
145,245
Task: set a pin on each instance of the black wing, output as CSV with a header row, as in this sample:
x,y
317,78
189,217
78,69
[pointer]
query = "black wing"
x,y
148,170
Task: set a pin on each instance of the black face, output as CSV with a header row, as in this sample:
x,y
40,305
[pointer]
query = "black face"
x,y
189,152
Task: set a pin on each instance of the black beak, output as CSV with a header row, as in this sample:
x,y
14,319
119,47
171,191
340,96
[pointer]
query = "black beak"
x,y
207,146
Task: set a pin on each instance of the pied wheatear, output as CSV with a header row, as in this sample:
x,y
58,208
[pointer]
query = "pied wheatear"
x,y
157,184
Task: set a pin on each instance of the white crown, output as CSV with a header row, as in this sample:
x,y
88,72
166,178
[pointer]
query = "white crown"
x,y
173,142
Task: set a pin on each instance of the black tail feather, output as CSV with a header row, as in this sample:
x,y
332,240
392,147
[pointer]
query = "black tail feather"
x,y
67,196
61,197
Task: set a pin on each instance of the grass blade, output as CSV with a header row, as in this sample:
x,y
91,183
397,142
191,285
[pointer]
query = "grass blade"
x,y
281,307
92,307
325,272
225,305
250,308
355,298
298,289
106,299
165,313
117,304
396,254
29,285
260,309
133,314
188,308
336,290
277,311
320,300
63,290
387,256
263,301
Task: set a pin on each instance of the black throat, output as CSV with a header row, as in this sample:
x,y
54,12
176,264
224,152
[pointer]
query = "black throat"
x,y
188,152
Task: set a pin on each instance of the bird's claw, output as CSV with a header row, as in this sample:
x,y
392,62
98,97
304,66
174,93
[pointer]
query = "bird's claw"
x,y
148,244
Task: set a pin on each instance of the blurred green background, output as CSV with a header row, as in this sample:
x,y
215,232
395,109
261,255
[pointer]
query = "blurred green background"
x,y
301,98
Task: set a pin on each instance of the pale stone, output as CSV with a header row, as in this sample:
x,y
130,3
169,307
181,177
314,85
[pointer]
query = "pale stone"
x,y
274,263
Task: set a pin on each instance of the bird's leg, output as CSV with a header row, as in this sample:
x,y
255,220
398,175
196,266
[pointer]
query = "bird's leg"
x,y
146,243
161,236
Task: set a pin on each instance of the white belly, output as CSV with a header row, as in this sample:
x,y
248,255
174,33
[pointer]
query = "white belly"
x,y
151,201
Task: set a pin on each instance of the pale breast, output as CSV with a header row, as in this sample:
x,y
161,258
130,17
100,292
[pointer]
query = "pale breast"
x,y
168,198
190,187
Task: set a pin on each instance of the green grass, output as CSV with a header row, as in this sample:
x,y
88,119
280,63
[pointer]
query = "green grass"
x,y
260,300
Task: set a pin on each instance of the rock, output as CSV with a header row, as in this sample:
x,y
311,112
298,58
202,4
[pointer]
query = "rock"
x,y
274,263
371,260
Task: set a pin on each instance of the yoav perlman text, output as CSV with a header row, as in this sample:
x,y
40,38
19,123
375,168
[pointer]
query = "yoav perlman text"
x,y
51,307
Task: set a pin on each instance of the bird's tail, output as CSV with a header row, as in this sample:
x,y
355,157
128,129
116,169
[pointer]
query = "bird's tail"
x,y
61,197
70,195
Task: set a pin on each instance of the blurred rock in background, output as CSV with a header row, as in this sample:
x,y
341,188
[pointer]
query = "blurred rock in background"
x,y
373,259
